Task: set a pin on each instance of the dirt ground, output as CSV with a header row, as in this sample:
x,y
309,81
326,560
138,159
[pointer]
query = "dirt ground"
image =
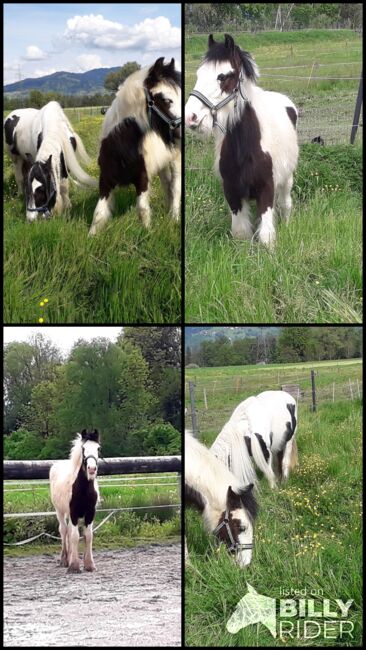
x,y
132,599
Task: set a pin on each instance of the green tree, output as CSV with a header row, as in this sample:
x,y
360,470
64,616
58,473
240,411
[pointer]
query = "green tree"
x,y
36,99
115,79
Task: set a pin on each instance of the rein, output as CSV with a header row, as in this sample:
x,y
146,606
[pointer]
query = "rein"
x,y
216,107
235,546
172,122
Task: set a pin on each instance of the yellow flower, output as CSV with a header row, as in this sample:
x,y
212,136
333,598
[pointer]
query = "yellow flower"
x,y
41,304
41,320
45,300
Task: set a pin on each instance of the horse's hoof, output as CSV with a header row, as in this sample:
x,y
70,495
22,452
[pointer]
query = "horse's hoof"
x,y
74,569
89,568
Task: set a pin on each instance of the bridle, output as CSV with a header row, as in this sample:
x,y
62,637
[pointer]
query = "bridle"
x,y
235,546
85,458
172,122
45,207
216,107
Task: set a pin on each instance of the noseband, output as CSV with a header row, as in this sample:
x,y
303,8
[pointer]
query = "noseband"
x,y
235,546
216,107
172,122
85,458
45,207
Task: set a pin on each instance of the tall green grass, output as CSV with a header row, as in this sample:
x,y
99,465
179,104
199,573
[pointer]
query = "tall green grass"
x,y
124,274
307,536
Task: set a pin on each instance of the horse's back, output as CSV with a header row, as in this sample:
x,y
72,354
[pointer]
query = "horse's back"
x,y
18,127
61,481
280,405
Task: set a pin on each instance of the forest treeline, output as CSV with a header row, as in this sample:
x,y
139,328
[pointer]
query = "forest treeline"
x,y
293,344
130,390
254,16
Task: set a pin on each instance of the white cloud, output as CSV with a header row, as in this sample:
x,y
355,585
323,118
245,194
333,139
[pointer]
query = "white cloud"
x,y
152,34
34,53
89,62
42,73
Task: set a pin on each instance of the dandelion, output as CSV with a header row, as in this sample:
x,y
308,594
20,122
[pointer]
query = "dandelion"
x,y
41,304
41,320
45,300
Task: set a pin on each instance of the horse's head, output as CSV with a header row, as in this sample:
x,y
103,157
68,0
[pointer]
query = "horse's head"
x,y
40,188
219,87
90,444
162,87
235,526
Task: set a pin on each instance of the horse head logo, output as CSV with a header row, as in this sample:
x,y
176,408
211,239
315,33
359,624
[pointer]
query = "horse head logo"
x,y
253,608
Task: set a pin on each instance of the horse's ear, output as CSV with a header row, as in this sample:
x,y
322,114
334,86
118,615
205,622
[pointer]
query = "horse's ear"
x,y
49,161
158,65
83,433
229,42
172,64
211,41
232,499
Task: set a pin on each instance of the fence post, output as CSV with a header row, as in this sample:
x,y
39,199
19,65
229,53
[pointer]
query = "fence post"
x,y
350,389
313,391
205,398
356,117
333,391
358,389
193,409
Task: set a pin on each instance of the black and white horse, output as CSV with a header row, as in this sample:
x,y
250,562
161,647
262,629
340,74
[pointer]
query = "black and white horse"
x,y
75,494
255,136
228,507
261,431
141,138
45,149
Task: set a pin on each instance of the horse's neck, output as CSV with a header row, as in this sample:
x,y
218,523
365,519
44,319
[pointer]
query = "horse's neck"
x,y
208,475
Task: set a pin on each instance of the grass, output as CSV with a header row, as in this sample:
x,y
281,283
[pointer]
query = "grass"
x,y
314,273
123,529
124,274
307,537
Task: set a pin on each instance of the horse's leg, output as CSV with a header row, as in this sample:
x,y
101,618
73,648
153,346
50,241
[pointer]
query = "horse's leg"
x,y
88,555
18,171
64,190
284,198
265,201
102,212
279,464
73,538
289,457
165,176
143,203
63,532
241,227
176,186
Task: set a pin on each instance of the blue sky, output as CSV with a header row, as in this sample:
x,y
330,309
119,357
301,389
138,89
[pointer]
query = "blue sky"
x,y
43,38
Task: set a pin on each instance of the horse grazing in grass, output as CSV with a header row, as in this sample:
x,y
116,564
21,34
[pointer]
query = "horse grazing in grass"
x,y
75,494
45,149
261,430
228,507
141,137
255,136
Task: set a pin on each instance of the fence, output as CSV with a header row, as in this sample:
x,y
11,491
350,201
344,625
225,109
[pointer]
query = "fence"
x,y
210,402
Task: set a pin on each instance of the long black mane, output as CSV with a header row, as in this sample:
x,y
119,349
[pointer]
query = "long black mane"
x,y
228,51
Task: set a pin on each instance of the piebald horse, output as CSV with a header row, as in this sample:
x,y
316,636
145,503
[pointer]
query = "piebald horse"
x,y
141,137
228,506
255,136
75,494
261,431
45,150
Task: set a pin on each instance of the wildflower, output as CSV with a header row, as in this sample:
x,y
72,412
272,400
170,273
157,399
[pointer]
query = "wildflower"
x,y
41,320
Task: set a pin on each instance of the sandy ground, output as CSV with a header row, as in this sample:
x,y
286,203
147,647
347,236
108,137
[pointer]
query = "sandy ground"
x,y
132,599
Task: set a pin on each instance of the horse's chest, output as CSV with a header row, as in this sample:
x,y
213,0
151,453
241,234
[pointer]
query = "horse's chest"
x,y
83,498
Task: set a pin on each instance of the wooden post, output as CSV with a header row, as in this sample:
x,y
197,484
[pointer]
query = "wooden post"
x,y
313,391
358,389
312,68
356,117
350,389
205,398
193,409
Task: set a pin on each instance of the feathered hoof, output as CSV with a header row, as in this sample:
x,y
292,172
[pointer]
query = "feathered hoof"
x,y
90,568
73,568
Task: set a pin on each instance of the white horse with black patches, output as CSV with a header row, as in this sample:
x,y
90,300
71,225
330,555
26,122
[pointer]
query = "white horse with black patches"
x,y
227,505
141,138
45,149
255,137
75,494
260,432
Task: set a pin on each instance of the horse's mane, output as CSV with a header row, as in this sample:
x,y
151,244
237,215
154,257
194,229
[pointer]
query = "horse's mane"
x,y
229,444
76,452
238,58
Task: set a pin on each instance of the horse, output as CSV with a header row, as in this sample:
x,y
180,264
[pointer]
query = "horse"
x,y
75,494
255,137
141,137
228,507
261,430
45,149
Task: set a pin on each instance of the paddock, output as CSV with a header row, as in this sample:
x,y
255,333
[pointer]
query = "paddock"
x,y
133,599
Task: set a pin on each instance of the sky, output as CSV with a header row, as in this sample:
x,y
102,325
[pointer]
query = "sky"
x,y
63,337
43,38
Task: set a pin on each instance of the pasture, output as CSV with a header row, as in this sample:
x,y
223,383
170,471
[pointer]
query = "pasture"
x,y
308,533
314,273
125,274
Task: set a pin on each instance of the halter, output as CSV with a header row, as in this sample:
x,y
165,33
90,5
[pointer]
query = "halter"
x,y
172,122
44,208
235,546
85,458
216,107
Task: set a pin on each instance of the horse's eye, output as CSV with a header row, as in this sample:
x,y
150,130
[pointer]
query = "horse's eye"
x,y
242,529
221,77
168,101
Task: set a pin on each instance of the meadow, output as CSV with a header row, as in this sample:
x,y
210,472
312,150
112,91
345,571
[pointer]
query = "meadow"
x,y
124,274
314,273
308,532
148,523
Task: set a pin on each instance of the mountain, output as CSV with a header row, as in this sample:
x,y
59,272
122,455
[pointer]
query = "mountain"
x,y
66,83
195,335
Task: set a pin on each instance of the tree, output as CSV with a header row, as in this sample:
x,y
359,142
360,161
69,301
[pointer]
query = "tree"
x,y
36,99
115,79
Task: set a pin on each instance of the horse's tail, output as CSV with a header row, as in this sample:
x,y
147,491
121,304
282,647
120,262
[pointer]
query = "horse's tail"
x,y
80,150
73,165
263,458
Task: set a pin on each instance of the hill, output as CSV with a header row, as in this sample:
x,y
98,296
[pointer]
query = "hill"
x,y
195,335
67,83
